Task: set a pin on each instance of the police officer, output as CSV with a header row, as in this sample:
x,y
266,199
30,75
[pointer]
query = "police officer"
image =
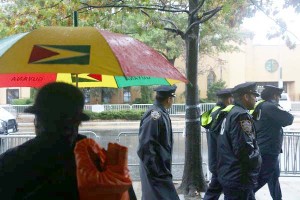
x,y
238,154
208,121
155,148
270,120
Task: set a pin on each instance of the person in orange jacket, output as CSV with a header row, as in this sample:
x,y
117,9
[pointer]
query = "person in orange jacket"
x,y
102,174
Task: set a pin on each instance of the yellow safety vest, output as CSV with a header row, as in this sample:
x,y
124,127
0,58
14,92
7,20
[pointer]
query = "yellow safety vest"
x,y
206,116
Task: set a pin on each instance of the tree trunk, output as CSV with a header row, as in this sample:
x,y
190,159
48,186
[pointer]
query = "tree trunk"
x,y
193,181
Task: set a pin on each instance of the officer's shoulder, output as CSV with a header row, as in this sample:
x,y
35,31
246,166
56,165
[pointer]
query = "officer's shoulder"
x,y
241,113
270,106
155,114
237,110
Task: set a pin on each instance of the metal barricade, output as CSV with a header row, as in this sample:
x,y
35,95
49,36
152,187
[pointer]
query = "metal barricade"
x,y
10,141
176,109
290,158
130,140
13,140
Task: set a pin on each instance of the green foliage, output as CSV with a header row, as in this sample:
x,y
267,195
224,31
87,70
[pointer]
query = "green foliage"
x,y
213,88
111,115
22,101
33,93
145,25
146,94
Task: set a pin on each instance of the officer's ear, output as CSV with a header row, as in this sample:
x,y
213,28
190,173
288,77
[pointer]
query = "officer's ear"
x,y
245,97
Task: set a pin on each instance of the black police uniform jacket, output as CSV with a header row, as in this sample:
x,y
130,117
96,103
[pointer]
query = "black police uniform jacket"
x,y
41,168
239,158
212,136
270,119
155,153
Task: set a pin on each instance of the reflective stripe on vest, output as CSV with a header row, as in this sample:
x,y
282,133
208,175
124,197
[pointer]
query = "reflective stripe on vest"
x,y
256,104
206,116
227,109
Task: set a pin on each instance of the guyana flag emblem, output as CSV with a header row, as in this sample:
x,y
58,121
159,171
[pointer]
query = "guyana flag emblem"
x,y
86,78
60,54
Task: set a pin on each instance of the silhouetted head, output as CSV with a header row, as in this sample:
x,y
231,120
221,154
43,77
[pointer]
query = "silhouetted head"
x,y
58,108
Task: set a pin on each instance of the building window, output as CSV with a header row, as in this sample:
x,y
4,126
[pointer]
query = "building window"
x,y
126,95
211,78
271,65
11,94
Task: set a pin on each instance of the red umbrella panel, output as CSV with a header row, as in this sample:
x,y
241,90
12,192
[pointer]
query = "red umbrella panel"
x,y
80,80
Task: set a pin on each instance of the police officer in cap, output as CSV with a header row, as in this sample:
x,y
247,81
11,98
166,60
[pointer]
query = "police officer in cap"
x,y
155,148
208,121
44,167
239,158
270,120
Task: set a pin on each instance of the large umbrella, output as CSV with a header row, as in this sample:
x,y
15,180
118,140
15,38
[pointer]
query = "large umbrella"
x,y
82,50
80,80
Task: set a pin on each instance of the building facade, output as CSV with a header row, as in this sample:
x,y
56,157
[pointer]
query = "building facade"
x,y
265,64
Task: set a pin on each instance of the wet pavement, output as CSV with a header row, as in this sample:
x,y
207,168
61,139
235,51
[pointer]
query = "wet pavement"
x,y
290,187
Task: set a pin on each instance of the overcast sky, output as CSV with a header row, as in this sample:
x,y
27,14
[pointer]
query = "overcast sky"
x,y
261,24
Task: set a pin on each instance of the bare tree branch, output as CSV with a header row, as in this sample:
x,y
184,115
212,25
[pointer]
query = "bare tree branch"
x,y
209,14
197,8
173,30
145,7
206,16
52,5
275,21
177,31
212,11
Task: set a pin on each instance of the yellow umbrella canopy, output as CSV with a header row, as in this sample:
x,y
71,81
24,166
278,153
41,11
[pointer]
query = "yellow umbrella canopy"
x,y
82,50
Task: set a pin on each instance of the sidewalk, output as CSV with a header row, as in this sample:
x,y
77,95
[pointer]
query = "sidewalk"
x,y
290,187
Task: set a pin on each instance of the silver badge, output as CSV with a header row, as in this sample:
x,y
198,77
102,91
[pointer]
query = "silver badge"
x,y
246,126
155,114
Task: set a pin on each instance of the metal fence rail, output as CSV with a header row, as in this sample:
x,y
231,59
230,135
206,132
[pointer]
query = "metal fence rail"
x,y
176,109
289,159
13,140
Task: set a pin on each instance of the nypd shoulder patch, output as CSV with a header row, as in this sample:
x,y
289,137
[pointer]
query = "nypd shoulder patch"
x,y
155,114
246,126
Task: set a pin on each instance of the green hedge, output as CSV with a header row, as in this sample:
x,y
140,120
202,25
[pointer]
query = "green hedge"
x,y
22,101
123,114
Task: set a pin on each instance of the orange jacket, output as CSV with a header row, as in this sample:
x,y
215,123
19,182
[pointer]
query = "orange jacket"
x,y
102,174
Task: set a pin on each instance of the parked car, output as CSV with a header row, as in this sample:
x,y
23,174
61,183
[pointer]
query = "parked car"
x,y
285,102
8,122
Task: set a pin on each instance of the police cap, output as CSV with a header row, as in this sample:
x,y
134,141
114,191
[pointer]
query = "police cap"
x,y
59,101
224,92
269,91
273,89
166,91
245,88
